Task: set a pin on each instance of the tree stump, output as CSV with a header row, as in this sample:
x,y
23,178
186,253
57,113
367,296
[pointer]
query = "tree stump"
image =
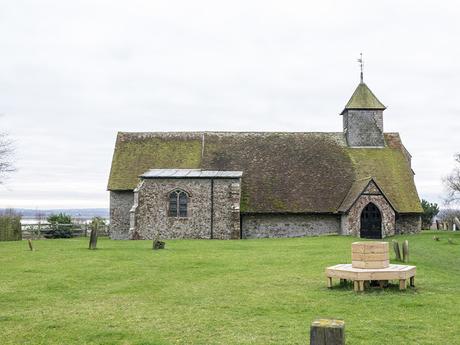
x,y
397,250
406,251
327,332
93,239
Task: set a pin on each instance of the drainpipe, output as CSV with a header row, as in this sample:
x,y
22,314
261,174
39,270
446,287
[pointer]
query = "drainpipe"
x,y
212,207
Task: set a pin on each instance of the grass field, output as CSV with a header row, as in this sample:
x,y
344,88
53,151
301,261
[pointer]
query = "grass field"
x,y
217,292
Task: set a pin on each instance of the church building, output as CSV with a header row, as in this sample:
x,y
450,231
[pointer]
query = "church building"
x,y
232,185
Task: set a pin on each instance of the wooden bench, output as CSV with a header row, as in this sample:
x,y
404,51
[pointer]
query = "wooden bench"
x,y
361,275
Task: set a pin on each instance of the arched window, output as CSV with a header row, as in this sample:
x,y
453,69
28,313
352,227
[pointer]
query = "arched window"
x,y
178,201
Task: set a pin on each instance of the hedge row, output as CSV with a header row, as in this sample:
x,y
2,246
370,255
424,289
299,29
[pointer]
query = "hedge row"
x,y
10,228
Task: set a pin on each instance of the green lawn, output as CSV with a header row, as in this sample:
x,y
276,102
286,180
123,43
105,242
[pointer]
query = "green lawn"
x,y
217,292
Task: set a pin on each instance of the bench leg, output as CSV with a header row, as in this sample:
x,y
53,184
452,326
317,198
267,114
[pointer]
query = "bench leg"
x,y
412,281
355,285
402,284
361,285
329,282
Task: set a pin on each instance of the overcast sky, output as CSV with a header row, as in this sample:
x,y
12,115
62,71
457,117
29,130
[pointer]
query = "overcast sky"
x,y
73,73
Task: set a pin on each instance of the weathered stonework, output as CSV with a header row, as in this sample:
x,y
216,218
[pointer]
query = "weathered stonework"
x,y
351,222
151,212
364,127
408,223
120,205
285,225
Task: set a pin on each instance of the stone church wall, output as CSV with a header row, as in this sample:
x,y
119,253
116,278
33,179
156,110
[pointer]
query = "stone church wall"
x,y
120,205
351,224
408,224
285,225
151,214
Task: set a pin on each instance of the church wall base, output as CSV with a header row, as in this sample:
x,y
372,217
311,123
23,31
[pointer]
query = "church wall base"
x,y
408,224
281,225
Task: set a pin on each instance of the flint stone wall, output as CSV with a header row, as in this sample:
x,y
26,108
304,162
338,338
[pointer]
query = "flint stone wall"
x,y
285,225
351,223
151,213
120,205
408,224
364,127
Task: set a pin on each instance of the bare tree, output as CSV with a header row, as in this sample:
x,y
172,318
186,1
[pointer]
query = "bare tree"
x,y
452,183
6,156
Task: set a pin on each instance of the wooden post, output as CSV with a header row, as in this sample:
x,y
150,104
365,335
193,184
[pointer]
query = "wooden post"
x,y
327,332
406,251
329,282
31,247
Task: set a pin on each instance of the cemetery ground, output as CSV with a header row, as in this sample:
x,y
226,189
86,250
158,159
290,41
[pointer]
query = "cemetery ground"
x,y
218,292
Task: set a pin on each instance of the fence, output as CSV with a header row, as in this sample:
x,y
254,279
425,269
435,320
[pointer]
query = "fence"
x,y
36,231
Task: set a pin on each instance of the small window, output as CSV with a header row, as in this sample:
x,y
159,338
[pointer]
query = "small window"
x,y
178,201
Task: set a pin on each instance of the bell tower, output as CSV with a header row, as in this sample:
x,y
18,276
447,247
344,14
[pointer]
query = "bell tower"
x,y
363,117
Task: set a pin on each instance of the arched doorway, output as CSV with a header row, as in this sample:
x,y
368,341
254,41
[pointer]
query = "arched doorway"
x,y
371,222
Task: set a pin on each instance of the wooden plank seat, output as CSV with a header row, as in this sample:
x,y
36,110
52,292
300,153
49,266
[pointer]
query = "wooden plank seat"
x,y
361,275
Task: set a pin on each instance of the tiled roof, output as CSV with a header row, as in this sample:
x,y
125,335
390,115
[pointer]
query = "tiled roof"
x,y
363,98
282,172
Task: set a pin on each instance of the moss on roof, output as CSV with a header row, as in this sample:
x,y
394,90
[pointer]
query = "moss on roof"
x,y
390,169
135,153
282,172
363,98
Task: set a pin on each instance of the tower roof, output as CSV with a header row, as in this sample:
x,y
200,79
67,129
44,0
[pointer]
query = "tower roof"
x,y
363,98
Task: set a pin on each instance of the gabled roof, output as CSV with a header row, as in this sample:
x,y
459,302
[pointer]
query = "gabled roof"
x,y
363,98
357,188
282,172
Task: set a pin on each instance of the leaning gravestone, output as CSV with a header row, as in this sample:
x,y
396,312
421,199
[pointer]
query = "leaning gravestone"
x,y
93,238
457,223
406,251
397,250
